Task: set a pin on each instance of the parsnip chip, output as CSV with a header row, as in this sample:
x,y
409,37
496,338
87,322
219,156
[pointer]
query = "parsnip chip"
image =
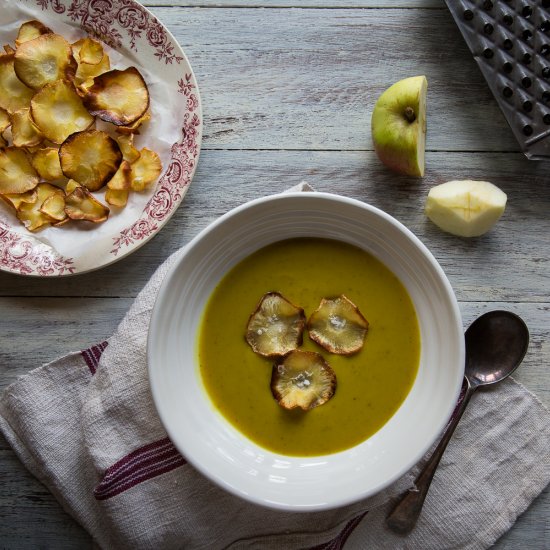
x,y
120,97
146,169
5,120
92,158
83,86
117,197
89,51
14,95
24,131
31,217
302,379
82,205
126,144
43,60
134,128
50,93
86,72
54,207
46,162
92,61
71,186
30,213
122,180
58,111
15,200
275,327
16,172
338,326
31,30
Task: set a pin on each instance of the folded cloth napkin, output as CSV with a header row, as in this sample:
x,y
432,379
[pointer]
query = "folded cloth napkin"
x,y
85,425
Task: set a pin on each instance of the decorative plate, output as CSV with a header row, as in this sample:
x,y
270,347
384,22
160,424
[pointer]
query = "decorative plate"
x,y
132,36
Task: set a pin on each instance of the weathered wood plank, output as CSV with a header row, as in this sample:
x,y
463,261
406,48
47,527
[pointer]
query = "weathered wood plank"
x,y
532,529
42,329
330,4
509,263
30,516
308,79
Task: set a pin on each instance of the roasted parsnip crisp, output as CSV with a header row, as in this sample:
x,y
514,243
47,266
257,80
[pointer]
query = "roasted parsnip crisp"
x,y
52,156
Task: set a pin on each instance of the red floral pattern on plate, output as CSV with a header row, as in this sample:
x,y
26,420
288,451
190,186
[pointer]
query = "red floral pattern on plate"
x,y
105,19
21,256
120,23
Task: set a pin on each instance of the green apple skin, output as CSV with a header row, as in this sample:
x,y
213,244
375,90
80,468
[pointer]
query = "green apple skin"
x,y
465,208
398,141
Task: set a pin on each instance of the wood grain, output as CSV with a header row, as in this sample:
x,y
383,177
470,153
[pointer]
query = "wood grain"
x,y
46,328
30,516
250,69
326,4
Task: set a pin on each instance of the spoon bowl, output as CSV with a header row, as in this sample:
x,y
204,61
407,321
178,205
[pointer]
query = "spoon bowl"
x,y
496,343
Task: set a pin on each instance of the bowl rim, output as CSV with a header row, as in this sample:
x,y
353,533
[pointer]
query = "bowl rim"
x,y
154,322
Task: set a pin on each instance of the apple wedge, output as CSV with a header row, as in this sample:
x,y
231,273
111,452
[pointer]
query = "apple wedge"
x,y
398,126
465,208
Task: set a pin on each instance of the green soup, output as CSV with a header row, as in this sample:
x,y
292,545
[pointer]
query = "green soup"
x,y
371,385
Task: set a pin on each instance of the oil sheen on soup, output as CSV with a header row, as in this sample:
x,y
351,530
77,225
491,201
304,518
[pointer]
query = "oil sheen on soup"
x,y
371,384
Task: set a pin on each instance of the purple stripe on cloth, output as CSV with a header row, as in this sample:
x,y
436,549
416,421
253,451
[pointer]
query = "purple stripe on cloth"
x,y
92,355
337,543
140,465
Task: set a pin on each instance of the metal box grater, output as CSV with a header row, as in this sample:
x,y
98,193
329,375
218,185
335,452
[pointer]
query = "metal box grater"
x,y
510,41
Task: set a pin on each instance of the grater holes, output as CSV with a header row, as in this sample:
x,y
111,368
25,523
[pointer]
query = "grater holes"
x,y
510,40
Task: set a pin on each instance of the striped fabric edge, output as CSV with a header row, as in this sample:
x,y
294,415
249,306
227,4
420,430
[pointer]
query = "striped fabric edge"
x,y
92,356
144,463
337,543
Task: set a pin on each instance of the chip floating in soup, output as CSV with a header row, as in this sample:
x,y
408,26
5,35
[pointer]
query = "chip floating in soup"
x,y
372,383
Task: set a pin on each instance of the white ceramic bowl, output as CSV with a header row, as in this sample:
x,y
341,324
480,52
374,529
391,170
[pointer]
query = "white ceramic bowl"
x,y
222,453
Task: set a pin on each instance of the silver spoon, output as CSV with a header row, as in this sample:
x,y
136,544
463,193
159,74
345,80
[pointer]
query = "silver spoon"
x,y
496,343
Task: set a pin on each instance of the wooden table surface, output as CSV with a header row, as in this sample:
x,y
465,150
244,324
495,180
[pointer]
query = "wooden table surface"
x,y
287,95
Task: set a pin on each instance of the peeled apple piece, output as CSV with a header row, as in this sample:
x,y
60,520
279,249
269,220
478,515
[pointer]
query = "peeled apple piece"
x,y
466,208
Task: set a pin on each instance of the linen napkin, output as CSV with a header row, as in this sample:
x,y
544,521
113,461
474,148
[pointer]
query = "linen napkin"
x,y
85,426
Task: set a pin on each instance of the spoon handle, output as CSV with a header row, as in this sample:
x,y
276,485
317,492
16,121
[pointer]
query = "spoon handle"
x,y
405,514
